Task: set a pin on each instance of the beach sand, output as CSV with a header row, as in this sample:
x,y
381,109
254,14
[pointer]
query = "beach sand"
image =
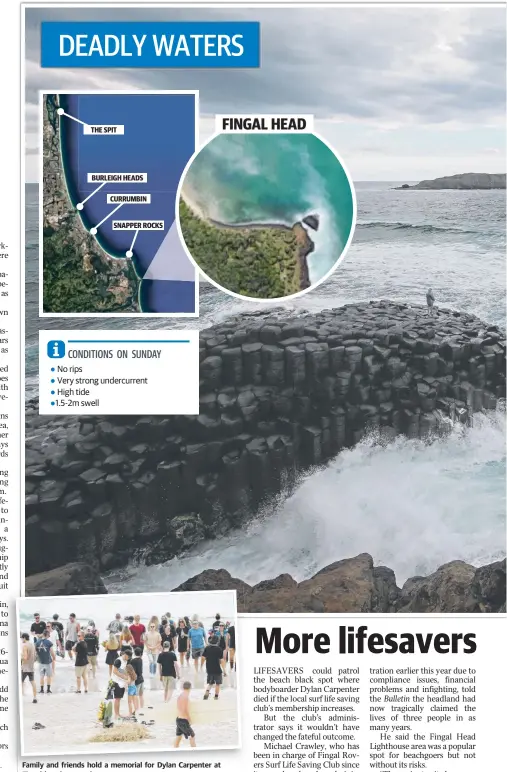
x,y
70,719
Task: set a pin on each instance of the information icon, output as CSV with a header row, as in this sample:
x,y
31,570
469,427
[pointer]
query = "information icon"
x,y
56,349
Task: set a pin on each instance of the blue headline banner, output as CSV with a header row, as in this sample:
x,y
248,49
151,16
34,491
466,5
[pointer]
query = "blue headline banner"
x,y
150,44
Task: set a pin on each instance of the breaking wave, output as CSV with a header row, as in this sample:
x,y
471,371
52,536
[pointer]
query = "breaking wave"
x,y
413,505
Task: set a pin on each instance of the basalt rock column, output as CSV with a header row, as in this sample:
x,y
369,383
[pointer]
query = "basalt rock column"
x,y
279,393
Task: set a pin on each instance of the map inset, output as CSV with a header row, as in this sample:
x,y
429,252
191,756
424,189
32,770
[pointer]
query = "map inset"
x,y
111,168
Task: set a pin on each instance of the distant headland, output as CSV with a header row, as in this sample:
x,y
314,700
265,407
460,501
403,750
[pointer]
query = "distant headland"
x,y
468,181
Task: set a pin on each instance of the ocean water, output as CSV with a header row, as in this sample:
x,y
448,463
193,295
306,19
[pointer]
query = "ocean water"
x,y
275,178
412,505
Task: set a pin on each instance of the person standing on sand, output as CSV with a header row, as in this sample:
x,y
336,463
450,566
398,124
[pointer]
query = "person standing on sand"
x,y
195,618
214,656
57,625
91,624
71,634
120,680
53,637
37,628
28,664
92,648
153,645
222,642
182,639
430,301
46,656
168,669
115,626
231,645
131,684
137,664
81,663
126,638
183,720
196,644
111,646
138,631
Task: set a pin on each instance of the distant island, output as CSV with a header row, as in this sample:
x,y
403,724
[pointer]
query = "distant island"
x,y
469,181
258,260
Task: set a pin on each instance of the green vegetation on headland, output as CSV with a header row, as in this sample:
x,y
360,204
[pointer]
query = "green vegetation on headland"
x,y
258,261
77,279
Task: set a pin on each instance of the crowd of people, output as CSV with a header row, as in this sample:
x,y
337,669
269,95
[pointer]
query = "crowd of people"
x,y
170,646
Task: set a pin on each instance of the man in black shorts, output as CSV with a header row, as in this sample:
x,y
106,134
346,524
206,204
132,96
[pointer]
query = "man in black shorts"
x,y
213,654
183,725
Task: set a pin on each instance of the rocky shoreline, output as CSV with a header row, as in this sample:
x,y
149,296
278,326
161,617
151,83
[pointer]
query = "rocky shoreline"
x,y
305,244
468,181
280,394
353,585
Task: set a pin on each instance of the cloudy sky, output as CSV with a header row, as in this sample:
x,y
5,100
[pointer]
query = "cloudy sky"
x,y
401,93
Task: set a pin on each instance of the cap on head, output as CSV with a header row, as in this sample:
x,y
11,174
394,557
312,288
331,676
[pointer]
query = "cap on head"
x,y
166,645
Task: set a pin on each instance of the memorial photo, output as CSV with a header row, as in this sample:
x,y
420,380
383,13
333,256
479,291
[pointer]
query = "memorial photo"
x,y
118,674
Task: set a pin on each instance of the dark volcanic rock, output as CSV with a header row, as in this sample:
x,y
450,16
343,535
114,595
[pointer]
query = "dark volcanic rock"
x,y
354,585
312,220
279,392
70,579
469,181
456,588
211,579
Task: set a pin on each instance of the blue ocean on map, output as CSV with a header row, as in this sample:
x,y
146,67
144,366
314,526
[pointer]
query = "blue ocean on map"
x,y
275,178
158,140
451,493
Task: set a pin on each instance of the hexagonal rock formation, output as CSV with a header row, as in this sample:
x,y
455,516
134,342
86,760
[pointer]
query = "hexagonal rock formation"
x,y
279,393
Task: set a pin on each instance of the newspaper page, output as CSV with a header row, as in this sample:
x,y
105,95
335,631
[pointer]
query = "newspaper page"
x,y
252,387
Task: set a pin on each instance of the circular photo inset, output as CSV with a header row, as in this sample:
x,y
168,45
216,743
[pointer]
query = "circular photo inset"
x,y
266,216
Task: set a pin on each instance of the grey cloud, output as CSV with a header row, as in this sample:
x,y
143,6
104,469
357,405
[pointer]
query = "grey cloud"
x,y
357,63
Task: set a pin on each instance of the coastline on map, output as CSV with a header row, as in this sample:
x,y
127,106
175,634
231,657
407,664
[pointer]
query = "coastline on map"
x,y
200,212
66,138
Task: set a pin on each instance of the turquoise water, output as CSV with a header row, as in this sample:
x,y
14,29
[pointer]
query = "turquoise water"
x,y
276,178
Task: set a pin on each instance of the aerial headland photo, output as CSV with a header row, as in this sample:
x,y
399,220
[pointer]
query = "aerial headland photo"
x,y
349,454
266,215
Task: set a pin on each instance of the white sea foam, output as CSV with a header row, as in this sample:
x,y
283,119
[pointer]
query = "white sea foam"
x,y
412,505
